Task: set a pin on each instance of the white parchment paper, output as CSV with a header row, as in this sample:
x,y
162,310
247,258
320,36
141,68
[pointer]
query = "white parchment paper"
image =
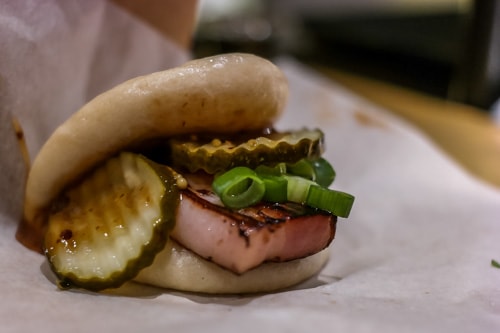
x,y
414,256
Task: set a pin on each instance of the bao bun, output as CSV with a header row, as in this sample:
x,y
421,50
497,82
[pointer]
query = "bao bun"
x,y
180,269
221,94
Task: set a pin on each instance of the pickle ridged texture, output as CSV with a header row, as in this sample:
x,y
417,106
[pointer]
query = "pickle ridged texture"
x,y
217,156
112,224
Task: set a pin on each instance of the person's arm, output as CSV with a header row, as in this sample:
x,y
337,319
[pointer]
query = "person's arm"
x,y
174,19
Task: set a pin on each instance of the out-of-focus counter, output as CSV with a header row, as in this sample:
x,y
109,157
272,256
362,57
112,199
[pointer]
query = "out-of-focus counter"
x,y
466,133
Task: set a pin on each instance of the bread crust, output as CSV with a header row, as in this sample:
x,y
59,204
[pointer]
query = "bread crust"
x,y
222,94
175,267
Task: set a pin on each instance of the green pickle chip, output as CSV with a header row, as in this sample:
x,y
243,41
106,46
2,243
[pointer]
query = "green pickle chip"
x,y
111,225
216,155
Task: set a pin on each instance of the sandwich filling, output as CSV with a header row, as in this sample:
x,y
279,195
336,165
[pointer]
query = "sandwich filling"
x,y
238,202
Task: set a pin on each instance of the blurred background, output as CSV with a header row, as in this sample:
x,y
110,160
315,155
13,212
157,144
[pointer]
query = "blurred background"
x,y
445,48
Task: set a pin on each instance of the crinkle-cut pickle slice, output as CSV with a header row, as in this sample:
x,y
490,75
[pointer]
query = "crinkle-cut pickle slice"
x,y
218,155
112,224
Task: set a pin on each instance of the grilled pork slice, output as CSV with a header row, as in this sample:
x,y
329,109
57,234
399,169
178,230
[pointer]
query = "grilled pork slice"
x,y
244,239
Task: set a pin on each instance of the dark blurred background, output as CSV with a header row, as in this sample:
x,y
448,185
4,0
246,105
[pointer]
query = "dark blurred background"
x,y
445,48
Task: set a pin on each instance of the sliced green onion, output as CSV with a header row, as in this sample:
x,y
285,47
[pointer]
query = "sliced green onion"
x,y
336,202
239,187
303,168
276,188
318,170
276,185
267,171
325,174
298,188
242,187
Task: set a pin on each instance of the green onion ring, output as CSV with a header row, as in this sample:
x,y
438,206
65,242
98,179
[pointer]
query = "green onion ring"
x,y
298,188
276,185
239,187
276,188
324,172
336,202
318,170
303,168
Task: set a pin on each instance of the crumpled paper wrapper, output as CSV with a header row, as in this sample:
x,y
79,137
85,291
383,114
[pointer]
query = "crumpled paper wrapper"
x,y
414,256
